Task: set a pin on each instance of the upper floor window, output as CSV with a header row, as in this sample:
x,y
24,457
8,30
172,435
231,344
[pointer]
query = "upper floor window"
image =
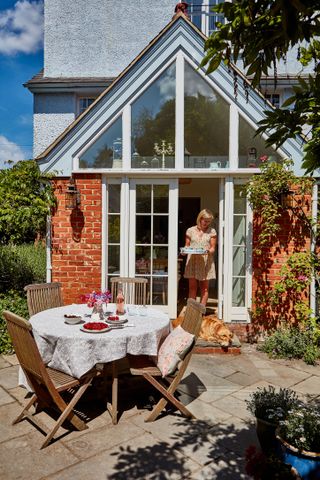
x,y
84,103
273,98
203,17
153,123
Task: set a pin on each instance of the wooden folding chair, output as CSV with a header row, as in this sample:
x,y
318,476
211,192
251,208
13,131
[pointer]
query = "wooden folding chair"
x,y
46,382
142,365
134,289
42,296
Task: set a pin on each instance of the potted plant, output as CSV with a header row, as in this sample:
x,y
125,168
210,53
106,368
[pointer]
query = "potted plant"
x,y
262,467
299,436
270,406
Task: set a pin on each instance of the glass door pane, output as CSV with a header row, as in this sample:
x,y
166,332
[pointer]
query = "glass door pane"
x,y
152,239
239,248
113,231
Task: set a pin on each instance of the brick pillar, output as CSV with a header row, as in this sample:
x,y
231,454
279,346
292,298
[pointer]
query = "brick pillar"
x,y
77,239
294,236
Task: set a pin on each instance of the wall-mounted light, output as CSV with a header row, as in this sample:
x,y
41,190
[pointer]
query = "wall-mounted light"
x,y
72,195
287,199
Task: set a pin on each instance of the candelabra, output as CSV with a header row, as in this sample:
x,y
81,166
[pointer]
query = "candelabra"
x,y
165,148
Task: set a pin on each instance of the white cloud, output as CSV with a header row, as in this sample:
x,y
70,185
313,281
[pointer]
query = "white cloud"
x,y
21,28
9,151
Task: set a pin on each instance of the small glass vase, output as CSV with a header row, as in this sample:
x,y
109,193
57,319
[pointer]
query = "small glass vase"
x,y
97,313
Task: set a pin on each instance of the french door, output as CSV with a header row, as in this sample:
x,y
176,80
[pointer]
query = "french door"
x,y
152,239
237,253
140,231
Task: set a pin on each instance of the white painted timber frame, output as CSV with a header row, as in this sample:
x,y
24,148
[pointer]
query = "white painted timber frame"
x,y
171,308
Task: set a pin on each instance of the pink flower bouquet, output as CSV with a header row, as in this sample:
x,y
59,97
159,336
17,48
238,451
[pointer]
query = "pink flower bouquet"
x,y
96,298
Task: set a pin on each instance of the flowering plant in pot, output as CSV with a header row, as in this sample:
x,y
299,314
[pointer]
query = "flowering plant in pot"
x,y
299,435
270,406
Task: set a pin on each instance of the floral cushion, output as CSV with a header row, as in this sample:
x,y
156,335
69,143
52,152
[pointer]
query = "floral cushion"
x,y
173,349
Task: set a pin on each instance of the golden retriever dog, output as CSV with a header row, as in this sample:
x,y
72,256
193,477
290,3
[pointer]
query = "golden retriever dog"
x,y
212,330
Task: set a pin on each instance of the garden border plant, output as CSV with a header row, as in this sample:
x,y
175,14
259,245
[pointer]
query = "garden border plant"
x,y
287,300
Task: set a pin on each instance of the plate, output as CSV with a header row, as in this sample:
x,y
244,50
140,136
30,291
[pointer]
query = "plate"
x,y
122,319
193,251
88,330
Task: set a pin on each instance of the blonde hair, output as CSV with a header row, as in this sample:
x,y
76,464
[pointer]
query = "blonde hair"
x,y
205,213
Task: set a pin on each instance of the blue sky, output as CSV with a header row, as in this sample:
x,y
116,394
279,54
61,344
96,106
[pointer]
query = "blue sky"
x,y
21,56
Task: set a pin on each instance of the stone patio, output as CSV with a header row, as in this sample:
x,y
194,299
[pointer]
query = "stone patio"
x,y
212,447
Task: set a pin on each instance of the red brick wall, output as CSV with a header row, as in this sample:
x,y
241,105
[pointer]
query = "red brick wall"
x,y
76,239
294,236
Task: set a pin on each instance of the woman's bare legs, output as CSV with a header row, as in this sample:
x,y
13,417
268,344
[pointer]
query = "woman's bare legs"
x,y
193,287
204,287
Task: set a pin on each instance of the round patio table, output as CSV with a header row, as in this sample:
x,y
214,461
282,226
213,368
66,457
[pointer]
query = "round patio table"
x,y
67,348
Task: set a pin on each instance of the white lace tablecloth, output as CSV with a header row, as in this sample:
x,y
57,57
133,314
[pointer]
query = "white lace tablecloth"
x,y
67,348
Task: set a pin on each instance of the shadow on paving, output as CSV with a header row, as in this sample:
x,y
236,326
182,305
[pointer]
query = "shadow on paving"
x,y
164,461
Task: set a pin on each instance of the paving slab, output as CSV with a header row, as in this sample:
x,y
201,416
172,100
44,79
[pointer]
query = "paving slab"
x,y
196,384
21,458
9,377
98,440
206,411
223,469
215,393
285,376
310,386
5,397
243,379
4,363
233,406
237,435
7,431
11,359
132,460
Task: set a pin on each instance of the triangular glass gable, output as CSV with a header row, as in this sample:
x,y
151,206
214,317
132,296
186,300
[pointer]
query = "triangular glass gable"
x,y
153,122
206,123
106,151
253,150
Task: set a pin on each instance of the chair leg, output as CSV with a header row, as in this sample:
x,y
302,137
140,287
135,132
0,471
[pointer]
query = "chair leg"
x,y
25,410
68,414
169,397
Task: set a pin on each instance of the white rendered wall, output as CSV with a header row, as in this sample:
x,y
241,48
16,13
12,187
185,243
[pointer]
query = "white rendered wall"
x,y
52,115
99,38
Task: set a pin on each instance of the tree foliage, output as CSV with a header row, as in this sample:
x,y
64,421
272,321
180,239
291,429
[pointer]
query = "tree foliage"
x,y
261,33
25,196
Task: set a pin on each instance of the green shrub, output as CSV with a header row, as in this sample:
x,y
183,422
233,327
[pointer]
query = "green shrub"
x,y
21,265
16,302
290,342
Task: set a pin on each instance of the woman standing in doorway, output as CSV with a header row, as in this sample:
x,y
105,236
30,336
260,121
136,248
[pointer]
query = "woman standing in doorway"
x,y
200,268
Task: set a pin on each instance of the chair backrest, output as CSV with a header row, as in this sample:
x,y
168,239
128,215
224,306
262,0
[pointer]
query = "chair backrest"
x,y
25,347
193,317
134,289
41,296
